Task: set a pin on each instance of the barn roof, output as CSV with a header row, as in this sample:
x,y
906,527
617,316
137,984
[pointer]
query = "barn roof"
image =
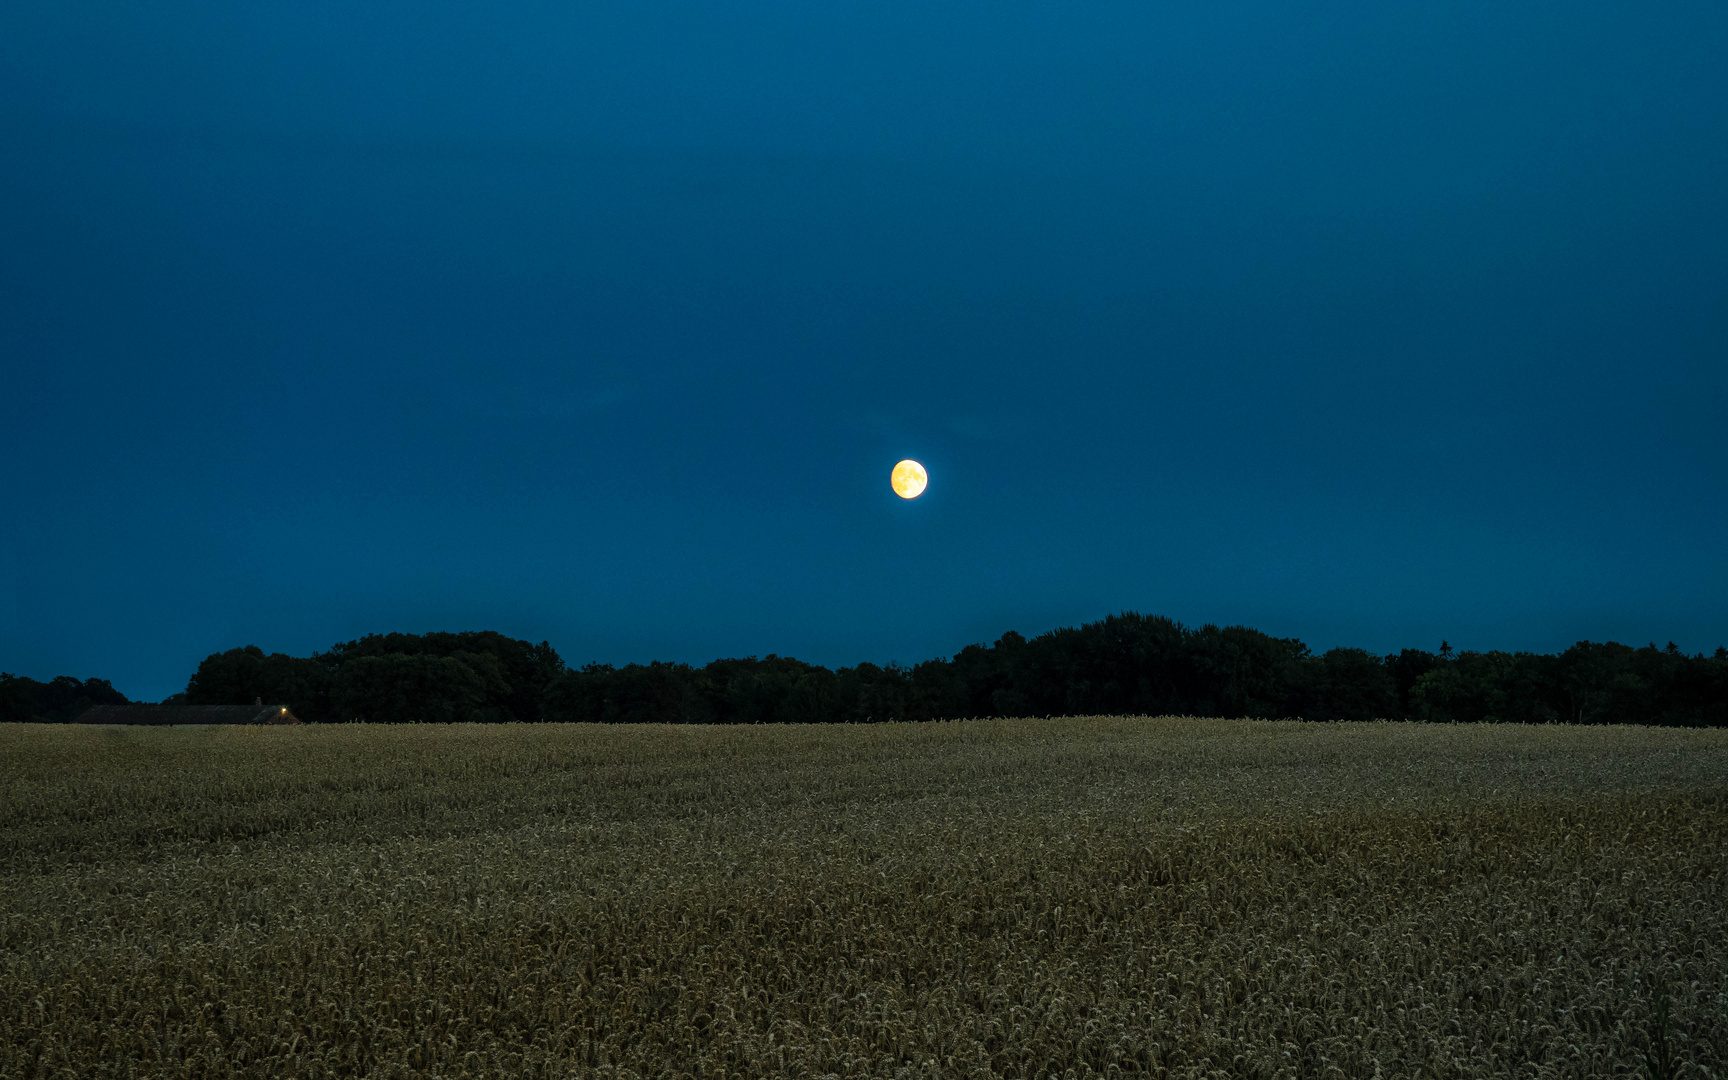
x,y
188,714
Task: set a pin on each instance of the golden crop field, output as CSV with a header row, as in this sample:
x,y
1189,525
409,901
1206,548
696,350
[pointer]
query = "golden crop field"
x,y
1026,898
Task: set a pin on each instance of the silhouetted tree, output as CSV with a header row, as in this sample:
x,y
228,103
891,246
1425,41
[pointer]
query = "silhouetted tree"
x,y
511,676
871,694
656,693
1405,668
1347,684
17,703
60,700
526,669
409,688
247,674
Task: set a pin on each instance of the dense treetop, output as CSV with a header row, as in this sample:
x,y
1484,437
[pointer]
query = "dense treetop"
x,y
59,700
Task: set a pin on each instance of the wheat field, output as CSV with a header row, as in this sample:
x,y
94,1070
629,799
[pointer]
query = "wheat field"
x,y
1106,896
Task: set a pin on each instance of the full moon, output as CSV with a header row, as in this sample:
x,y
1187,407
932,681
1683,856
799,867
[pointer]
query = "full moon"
x,y
909,479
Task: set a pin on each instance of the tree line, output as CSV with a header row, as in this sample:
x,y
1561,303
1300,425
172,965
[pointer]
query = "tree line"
x,y
1123,664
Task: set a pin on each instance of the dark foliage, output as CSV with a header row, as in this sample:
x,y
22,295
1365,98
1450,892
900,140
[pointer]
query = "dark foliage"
x,y
506,679
242,676
1123,664
746,691
1133,664
57,701
389,678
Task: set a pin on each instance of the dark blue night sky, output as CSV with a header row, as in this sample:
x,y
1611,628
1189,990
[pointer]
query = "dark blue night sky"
x,y
1367,323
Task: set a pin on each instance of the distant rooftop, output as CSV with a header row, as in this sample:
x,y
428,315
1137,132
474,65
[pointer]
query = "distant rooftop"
x,y
159,715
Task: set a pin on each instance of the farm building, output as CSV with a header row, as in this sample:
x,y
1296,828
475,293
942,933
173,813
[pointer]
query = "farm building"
x,y
156,715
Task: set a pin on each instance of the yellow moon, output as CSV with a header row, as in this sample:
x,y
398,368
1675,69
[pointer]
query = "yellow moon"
x,y
909,479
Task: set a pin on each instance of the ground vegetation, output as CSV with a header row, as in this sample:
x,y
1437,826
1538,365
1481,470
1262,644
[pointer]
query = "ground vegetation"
x,y
1104,896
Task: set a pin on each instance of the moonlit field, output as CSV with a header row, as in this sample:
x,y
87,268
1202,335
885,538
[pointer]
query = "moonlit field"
x,y
1029,898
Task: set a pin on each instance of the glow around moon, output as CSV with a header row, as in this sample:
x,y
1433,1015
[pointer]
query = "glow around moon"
x,y
909,479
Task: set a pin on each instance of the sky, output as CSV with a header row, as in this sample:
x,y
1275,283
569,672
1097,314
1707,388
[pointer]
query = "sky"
x,y
1373,324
